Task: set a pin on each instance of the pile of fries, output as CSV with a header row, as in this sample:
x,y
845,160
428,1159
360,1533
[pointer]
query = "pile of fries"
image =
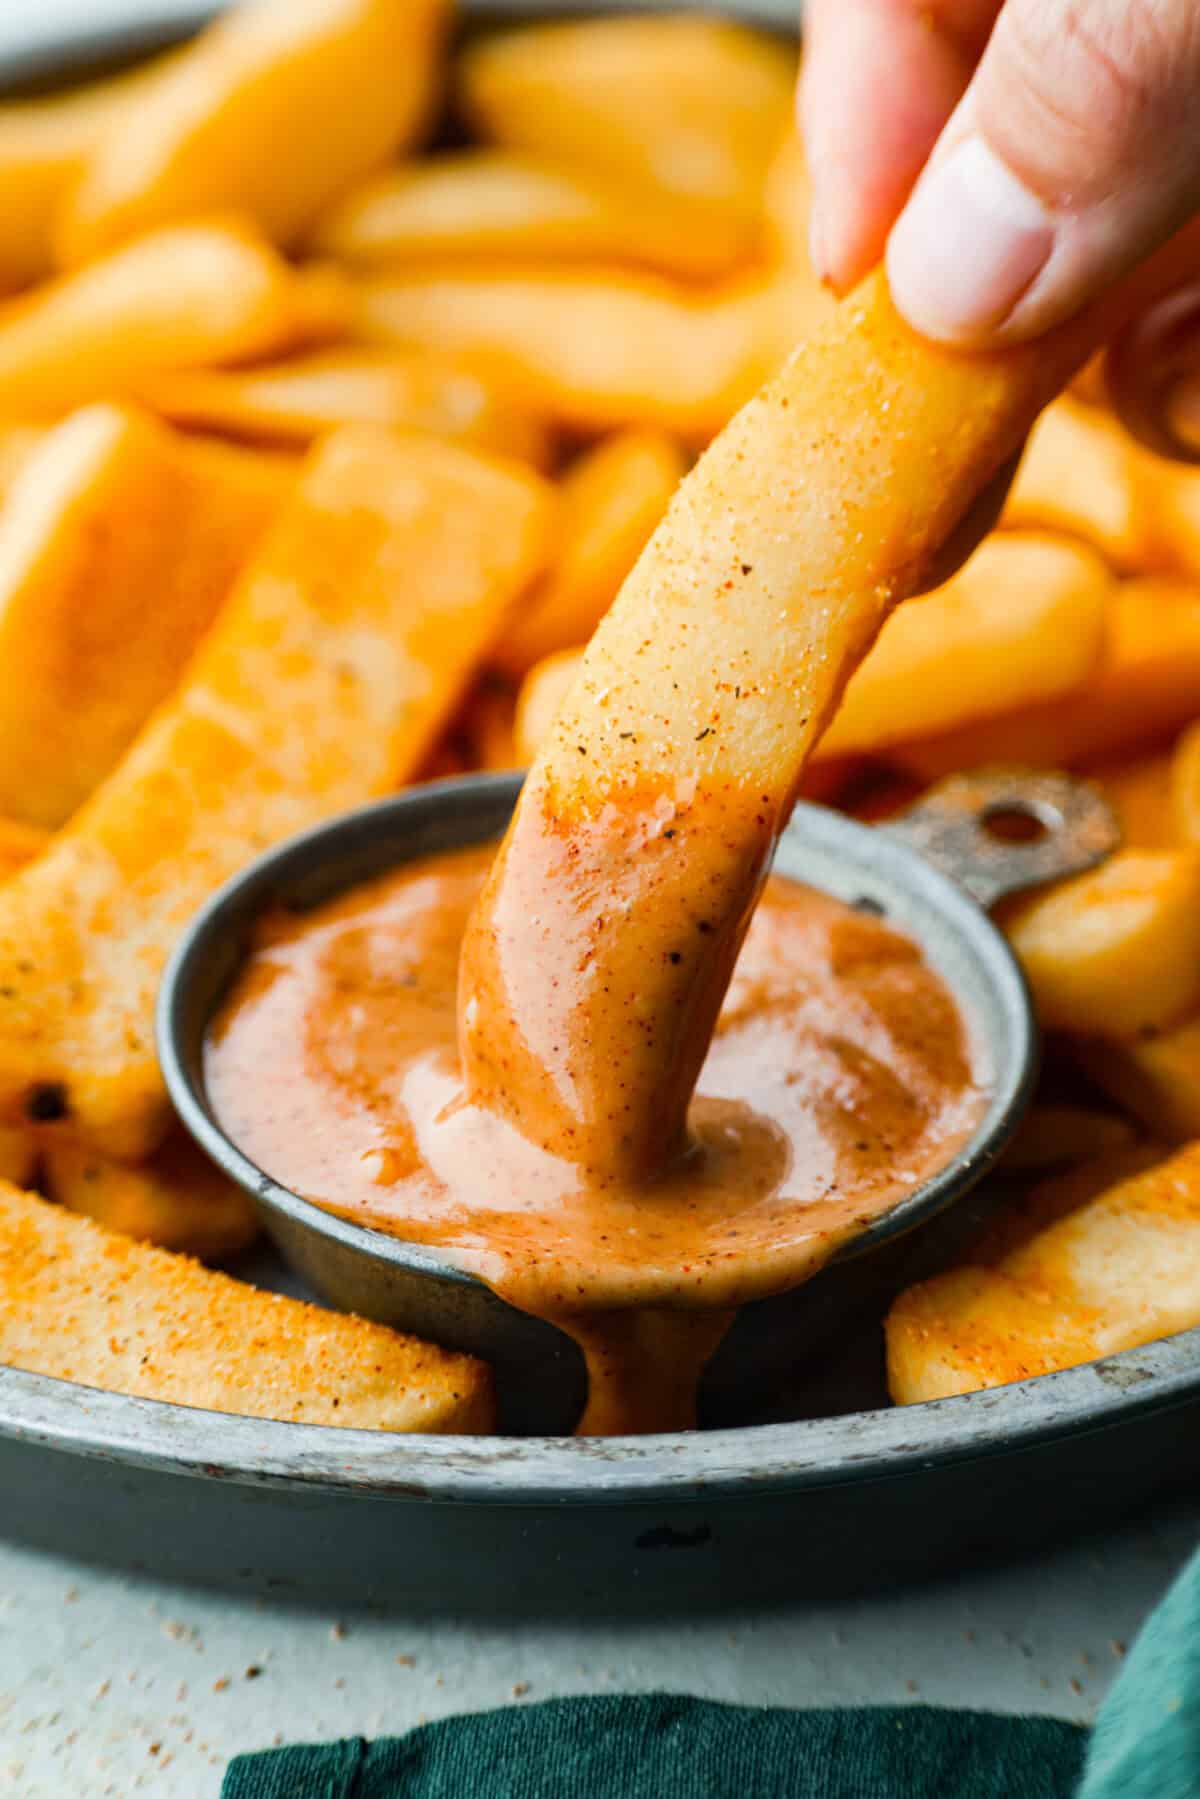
x,y
322,453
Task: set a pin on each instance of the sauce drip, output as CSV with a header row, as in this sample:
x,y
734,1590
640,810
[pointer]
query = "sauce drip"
x,y
839,1076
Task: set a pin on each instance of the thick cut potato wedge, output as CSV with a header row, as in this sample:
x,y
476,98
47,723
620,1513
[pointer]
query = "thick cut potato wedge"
x,y
1024,619
1116,950
118,543
271,112
1052,1137
1139,789
178,1199
19,844
693,106
1080,474
1155,1076
83,1304
1182,784
17,443
18,1154
44,148
612,499
541,695
644,830
180,298
595,348
296,401
1146,687
512,205
325,680
1118,1268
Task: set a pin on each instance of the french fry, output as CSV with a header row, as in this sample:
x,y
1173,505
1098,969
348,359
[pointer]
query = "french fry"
x,y
1119,1268
541,695
693,106
1116,950
1079,474
1182,785
270,112
1154,1076
182,297
296,401
512,205
44,147
1138,789
117,545
594,348
612,499
1051,1137
16,444
178,1199
1024,619
18,1154
84,1304
19,844
654,804
325,680
1147,686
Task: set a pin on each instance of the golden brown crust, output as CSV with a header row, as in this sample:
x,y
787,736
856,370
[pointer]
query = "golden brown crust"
x,y
83,1304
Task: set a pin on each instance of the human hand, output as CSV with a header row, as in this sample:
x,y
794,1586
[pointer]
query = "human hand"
x,y
1012,162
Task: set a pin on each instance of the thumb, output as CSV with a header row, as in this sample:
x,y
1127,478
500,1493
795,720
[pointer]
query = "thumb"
x,y
1074,153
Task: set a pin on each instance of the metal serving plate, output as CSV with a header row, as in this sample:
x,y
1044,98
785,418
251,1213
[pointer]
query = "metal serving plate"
x,y
842,1496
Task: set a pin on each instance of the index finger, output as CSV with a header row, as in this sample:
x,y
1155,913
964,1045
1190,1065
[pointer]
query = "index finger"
x,y
880,79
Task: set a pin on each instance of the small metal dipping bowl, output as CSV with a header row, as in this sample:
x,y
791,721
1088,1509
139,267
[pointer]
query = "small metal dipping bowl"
x,y
931,872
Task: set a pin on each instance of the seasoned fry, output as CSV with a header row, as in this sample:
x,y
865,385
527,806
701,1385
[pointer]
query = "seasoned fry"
x,y
1116,950
84,1304
1024,619
325,681
1118,1268
117,546
19,844
182,297
512,205
296,401
271,112
595,348
178,1199
1139,791
692,106
1155,1076
18,1154
44,147
16,444
651,811
541,695
612,499
1181,785
1052,1137
1147,686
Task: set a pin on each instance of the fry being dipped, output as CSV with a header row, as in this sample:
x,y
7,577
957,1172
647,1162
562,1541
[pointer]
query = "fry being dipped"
x,y
603,1126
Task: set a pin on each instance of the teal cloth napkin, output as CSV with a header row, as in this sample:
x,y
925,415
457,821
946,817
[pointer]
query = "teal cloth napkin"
x,y
1146,1745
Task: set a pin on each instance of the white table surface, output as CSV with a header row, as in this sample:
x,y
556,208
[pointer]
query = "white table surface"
x,y
113,1684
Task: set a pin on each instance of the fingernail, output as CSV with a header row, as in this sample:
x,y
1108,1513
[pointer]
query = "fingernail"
x,y
968,244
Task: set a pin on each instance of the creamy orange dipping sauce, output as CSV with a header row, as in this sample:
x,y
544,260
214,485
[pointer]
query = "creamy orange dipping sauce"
x,y
840,1075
